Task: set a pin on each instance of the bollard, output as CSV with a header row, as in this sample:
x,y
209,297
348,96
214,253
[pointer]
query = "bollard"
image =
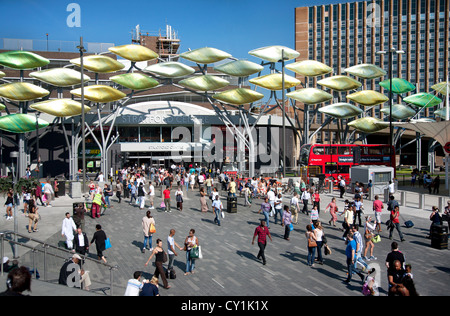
x,y
441,203
403,198
422,201
386,195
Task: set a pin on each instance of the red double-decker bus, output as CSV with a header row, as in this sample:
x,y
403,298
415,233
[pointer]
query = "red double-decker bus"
x,y
335,160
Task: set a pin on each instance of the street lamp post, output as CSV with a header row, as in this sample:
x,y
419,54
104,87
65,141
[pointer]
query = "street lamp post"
x,y
82,51
390,53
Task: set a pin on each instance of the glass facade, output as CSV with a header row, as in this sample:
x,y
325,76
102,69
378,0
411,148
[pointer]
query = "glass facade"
x,y
347,34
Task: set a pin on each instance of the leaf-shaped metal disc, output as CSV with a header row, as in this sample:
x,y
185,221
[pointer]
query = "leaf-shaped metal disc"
x,y
239,68
100,94
204,83
368,97
442,113
22,60
2,74
135,81
99,63
399,85
340,83
60,77
442,87
21,123
309,68
310,95
205,55
275,81
341,110
238,96
367,124
366,71
60,107
22,91
2,107
399,111
133,52
426,100
274,53
170,69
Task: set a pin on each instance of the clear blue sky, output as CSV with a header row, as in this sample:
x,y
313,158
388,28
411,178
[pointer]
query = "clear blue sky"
x,y
235,26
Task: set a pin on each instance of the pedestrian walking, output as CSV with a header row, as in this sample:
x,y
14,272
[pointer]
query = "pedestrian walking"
x,y
166,195
316,200
311,244
151,193
350,252
333,210
9,205
314,216
203,204
320,241
348,219
67,230
217,208
278,206
265,209
107,193
262,232
395,223
378,208
99,238
119,190
48,193
369,234
179,199
160,258
132,190
97,202
148,227
190,242
171,244
358,209
306,196
81,242
141,195
295,208
33,216
287,221
341,186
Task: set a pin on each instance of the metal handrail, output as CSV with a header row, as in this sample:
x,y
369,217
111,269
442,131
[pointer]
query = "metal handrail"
x,y
45,246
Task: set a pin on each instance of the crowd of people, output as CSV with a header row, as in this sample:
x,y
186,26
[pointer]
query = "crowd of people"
x,y
138,187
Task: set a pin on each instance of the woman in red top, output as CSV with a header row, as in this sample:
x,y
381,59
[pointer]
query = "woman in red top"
x,y
316,200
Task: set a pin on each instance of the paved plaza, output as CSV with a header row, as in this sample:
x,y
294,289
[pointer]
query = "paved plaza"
x,y
229,266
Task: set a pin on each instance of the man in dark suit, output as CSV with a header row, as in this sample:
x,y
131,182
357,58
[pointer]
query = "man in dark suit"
x,y
81,242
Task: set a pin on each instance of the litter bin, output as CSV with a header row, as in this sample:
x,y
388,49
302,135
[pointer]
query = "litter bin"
x,y
232,204
439,236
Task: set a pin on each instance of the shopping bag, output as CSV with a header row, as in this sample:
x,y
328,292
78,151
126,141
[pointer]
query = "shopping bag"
x,y
163,205
152,229
194,253
107,243
376,239
291,227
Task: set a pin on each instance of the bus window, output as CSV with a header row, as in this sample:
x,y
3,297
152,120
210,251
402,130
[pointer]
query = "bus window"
x,y
315,170
386,151
330,169
374,150
344,169
344,150
330,150
318,150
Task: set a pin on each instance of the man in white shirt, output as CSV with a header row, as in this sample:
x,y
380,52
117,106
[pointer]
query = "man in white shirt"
x,y
134,286
271,196
152,195
278,208
295,207
305,198
217,207
171,244
391,188
67,230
